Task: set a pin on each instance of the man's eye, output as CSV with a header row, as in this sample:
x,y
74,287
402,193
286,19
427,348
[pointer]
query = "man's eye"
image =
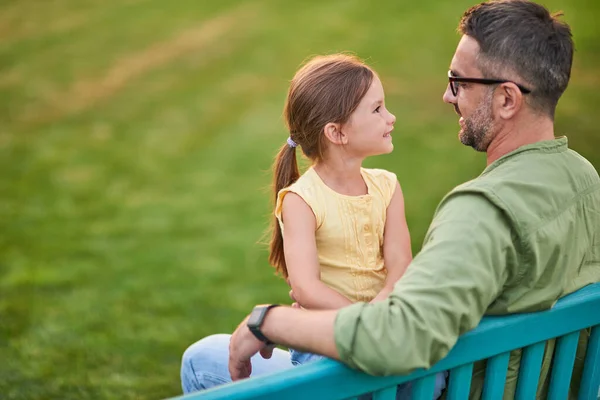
x,y
377,109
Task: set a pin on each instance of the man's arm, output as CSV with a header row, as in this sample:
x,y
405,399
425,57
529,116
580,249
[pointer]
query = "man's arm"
x,y
468,255
445,292
313,330
305,330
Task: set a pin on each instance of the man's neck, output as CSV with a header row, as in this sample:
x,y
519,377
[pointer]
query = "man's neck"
x,y
520,134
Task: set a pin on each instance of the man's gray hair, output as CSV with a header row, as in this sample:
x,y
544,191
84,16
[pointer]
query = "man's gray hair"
x,y
520,40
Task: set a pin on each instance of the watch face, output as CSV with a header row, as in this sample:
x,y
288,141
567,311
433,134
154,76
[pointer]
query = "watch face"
x,y
256,316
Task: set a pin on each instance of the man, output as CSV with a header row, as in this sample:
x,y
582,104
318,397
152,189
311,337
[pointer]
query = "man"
x,y
523,234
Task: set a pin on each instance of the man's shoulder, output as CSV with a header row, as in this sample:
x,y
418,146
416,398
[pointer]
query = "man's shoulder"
x,y
477,188
534,187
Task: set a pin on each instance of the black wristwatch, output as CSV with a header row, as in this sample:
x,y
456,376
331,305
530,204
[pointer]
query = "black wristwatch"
x,y
257,317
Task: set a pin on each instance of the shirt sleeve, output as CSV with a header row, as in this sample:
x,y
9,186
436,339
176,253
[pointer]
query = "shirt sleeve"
x,y
390,185
385,183
444,293
306,195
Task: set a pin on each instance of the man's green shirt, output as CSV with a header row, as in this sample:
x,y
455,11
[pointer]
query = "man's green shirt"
x,y
515,239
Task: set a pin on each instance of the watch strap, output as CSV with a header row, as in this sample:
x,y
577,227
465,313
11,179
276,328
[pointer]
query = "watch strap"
x,y
256,329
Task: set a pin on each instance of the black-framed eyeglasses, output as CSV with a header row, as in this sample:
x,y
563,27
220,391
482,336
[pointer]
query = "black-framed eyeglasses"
x,y
452,80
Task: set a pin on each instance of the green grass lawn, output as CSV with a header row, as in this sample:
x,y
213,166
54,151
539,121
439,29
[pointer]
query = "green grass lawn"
x,y
136,138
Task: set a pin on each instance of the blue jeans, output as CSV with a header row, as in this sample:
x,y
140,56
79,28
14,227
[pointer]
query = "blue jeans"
x,y
205,365
298,357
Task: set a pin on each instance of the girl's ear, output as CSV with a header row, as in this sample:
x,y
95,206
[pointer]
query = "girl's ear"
x,y
334,134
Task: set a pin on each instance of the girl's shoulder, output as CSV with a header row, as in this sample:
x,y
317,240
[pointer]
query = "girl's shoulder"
x,y
380,176
308,188
381,183
307,181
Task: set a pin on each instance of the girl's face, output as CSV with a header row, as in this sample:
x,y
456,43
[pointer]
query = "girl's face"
x,y
370,125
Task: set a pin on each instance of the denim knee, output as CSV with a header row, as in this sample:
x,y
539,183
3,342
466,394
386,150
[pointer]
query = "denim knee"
x,y
203,364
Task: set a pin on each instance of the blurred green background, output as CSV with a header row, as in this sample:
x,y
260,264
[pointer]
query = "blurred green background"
x,y
136,138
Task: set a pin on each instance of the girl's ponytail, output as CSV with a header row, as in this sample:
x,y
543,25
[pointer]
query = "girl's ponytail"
x,y
285,172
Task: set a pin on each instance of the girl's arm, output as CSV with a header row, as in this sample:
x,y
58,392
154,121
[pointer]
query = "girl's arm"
x,y
300,249
397,253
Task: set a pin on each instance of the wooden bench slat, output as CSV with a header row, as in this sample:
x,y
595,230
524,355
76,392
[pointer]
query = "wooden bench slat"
x,y
460,382
562,367
423,388
590,380
385,394
529,370
495,377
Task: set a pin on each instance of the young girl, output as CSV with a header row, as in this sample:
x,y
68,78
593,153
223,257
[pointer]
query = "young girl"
x,y
340,234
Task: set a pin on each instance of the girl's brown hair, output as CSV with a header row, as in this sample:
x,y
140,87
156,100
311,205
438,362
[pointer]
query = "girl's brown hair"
x,y
325,90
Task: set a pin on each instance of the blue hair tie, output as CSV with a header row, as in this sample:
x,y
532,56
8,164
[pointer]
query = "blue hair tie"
x,y
291,143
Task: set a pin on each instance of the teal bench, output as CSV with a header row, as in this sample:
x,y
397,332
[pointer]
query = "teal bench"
x,y
492,340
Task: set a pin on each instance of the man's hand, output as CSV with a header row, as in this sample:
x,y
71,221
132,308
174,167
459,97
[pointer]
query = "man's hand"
x,y
242,346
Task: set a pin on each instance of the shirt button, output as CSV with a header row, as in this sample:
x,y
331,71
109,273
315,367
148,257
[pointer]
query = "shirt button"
x,y
367,228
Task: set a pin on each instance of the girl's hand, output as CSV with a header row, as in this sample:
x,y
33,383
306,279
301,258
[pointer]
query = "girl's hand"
x,y
291,293
295,303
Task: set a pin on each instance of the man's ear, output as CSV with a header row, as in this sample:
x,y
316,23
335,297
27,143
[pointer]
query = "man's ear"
x,y
333,133
509,101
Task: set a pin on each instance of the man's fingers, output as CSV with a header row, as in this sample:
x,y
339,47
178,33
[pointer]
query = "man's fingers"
x,y
247,369
239,369
296,305
267,351
233,371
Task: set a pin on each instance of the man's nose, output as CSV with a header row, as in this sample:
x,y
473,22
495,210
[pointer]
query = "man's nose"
x,y
448,96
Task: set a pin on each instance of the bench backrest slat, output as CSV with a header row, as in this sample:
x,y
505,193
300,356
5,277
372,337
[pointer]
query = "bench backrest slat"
x,y
562,367
385,394
423,388
590,379
460,382
495,376
529,371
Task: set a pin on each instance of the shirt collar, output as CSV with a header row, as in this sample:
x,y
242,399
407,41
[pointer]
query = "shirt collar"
x,y
557,145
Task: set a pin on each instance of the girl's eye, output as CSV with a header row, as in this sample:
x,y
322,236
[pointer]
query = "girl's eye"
x,y
377,109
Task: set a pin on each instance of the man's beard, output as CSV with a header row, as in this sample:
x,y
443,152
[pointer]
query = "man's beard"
x,y
477,131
